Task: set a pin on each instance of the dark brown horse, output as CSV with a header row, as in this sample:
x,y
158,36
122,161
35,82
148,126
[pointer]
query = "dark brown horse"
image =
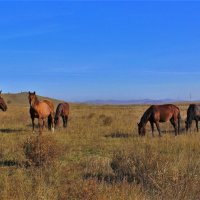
x,y
62,111
41,110
3,105
160,113
193,113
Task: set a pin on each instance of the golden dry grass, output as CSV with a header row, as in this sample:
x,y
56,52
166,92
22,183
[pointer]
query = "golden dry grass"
x,y
102,157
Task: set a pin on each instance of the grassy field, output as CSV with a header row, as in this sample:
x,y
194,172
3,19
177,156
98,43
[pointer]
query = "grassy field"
x,y
99,156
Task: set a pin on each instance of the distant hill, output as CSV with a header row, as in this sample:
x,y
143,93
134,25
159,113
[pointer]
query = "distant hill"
x,y
22,98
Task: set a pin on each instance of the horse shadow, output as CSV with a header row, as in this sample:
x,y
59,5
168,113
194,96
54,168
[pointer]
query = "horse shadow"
x,y
118,134
10,163
9,130
109,178
181,131
14,163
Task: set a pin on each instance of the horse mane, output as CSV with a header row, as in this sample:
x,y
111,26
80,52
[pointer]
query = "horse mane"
x,y
36,100
58,110
146,115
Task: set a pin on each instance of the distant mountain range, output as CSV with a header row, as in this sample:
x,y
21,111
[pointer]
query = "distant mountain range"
x,y
137,101
22,98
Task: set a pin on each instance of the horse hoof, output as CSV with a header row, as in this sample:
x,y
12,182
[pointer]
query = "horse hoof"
x,y
52,130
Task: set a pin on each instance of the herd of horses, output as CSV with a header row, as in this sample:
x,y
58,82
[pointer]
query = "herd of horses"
x,y
43,110
168,112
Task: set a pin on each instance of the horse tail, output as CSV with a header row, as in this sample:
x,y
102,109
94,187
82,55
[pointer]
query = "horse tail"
x,y
179,121
51,116
49,122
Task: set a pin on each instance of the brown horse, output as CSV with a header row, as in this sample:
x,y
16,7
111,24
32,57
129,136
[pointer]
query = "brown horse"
x,y
34,115
41,110
62,111
160,113
3,105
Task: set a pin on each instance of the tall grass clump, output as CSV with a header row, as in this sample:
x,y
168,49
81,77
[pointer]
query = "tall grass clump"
x,y
41,150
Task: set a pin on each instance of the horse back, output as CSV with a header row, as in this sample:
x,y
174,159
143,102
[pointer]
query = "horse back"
x,y
43,109
66,108
165,112
50,104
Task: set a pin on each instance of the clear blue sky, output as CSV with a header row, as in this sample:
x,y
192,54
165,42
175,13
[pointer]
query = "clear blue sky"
x,y
101,50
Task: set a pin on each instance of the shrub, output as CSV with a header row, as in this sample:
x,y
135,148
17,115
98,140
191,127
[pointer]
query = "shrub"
x,y
91,115
102,116
107,121
41,150
9,102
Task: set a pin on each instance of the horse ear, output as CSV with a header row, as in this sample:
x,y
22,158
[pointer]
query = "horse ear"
x,y
34,92
29,92
0,91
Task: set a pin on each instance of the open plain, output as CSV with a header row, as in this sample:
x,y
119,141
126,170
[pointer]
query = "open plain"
x,y
98,156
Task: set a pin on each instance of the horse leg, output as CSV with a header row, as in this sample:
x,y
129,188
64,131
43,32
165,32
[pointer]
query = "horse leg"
x,y
40,124
33,124
52,122
174,124
152,128
197,125
158,128
66,120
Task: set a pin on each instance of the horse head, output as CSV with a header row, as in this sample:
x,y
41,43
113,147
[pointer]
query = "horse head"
x,y
32,98
3,105
187,125
141,129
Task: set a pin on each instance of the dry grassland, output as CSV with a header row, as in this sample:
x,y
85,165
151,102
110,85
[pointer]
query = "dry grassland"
x,y
99,156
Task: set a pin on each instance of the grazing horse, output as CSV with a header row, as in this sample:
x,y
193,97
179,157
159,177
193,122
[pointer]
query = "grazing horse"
x,y
41,110
62,111
193,113
3,105
160,113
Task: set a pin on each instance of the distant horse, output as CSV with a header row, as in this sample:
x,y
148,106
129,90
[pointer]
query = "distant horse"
x,y
193,113
160,113
3,105
62,111
41,110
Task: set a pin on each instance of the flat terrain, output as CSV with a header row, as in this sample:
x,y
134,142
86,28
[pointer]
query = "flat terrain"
x,y
100,156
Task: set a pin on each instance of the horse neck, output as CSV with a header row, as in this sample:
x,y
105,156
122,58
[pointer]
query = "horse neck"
x,y
36,103
190,113
58,110
146,116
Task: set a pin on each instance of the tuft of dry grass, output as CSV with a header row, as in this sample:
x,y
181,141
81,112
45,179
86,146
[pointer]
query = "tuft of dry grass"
x,y
41,150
